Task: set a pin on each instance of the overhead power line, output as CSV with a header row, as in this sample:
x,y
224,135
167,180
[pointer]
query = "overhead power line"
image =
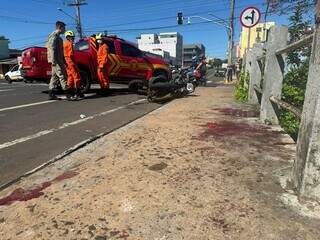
x,y
23,20
48,2
29,38
175,26
162,18
151,28
113,15
154,8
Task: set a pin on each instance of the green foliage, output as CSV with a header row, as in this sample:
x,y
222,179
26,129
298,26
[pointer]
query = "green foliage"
x,y
216,62
295,81
290,124
294,85
293,92
297,29
242,87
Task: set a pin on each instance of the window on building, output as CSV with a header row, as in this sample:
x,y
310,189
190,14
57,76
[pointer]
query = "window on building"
x,y
130,51
167,36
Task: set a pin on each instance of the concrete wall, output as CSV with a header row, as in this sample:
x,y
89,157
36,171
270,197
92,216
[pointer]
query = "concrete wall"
x,y
306,172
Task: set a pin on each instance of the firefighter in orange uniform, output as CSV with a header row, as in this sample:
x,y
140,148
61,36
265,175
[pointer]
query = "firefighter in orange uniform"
x,y
74,79
102,56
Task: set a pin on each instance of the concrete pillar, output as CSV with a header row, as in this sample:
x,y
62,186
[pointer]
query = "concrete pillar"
x,y
306,171
273,74
249,59
255,73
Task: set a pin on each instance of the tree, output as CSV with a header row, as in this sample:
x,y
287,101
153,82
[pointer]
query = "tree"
x,y
284,6
297,29
294,83
217,62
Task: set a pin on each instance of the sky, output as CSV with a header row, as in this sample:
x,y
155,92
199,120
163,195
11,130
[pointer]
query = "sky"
x,y
28,22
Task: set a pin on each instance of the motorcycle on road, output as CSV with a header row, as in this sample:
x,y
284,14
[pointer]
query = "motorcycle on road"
x,y
181,84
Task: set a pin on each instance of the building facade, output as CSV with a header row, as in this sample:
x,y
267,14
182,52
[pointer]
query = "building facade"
x,y
258,33
190,51
4,48
163,43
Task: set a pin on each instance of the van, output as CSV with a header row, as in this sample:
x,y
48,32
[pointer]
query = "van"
x,y
35,65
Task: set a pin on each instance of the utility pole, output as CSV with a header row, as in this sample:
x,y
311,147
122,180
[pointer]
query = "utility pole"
x,y
231,33
264,38
77,4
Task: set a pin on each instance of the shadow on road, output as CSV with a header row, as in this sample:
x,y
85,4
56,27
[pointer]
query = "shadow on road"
x,y
95,93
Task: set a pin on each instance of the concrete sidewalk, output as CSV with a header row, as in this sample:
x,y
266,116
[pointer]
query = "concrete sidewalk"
x,y
201,167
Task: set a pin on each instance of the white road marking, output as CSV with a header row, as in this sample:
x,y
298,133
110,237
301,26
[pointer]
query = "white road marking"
x,y
26,105
65,125
6,90
23,84
39,103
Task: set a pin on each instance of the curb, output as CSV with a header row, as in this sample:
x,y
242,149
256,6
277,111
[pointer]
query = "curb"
x,y
79,146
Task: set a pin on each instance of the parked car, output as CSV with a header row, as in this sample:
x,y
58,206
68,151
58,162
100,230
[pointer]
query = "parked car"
x,y
14,74
127,64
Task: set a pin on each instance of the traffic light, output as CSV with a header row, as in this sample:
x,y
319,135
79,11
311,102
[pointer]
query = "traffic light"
x,y
180,18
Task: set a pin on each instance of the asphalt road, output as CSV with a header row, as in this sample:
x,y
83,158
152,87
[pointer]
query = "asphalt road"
x,y
34,130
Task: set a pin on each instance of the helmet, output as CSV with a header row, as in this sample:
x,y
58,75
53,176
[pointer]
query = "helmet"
x,y
69,34
99,36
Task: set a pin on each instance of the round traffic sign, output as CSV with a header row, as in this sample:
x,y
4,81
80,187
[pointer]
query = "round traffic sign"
x,y
250,17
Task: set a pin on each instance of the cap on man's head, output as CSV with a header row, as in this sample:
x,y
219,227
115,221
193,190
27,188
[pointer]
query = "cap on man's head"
x,y
60,24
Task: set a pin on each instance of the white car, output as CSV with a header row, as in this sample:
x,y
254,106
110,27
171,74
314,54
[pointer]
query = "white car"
x,y
14,74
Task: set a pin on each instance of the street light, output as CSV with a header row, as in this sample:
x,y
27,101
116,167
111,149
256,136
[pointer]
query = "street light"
x,y
61,10
209,20
223,23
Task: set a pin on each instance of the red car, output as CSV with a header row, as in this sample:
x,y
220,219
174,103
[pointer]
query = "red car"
x,y
127,64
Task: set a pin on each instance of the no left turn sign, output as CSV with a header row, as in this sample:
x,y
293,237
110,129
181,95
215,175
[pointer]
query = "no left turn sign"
x,y
250,17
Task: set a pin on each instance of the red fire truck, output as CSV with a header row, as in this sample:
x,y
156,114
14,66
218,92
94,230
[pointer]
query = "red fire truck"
x,y
35,65
127,64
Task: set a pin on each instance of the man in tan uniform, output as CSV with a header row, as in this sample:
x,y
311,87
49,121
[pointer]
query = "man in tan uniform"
x,y
56,58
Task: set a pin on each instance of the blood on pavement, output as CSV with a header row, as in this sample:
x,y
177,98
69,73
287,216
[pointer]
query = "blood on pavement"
x,y
22,195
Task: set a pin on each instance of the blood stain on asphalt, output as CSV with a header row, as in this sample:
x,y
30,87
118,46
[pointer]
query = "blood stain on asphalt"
x,y
22,195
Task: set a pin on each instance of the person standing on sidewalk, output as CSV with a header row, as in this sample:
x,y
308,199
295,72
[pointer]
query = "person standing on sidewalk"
x,y
102,57
74,79
56,58
229,74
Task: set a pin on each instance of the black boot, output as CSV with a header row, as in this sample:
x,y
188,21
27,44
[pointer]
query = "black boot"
x,y
79,95
52,95
103,92
69,95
